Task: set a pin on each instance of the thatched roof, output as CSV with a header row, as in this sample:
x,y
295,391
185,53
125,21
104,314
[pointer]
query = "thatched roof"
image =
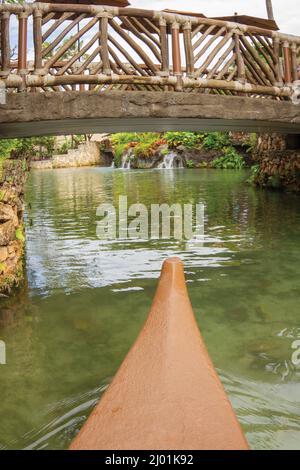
x,y
113,3
250,21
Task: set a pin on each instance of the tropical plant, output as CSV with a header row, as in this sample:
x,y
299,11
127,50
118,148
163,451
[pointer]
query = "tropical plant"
x,y
254,171
216,140
190,164
231,159
187,139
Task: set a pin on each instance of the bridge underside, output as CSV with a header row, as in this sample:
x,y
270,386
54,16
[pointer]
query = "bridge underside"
x,y
58,113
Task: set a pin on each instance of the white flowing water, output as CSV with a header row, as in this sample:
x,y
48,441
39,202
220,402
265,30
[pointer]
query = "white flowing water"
x,y
125,164
171,160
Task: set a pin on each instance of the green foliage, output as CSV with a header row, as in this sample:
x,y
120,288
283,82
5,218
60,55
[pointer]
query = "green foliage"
x,y
6,146
129,137
147,147
254,171
119,150
187,139
33,146
251,143
143,144
190,164
230,160
216,140
102,147
64,147
20,235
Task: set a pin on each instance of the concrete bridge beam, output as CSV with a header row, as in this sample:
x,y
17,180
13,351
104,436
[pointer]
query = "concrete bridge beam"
x,y
58,113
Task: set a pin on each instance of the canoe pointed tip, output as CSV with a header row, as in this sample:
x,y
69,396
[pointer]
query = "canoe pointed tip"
x,y
172,274
173,260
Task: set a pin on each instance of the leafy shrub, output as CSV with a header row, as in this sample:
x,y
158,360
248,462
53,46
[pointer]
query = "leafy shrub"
x,y
254,170
216,140
190,164
64,147
187,139
144,144
147,149
230,160
20,235
251,143
128,137
119,150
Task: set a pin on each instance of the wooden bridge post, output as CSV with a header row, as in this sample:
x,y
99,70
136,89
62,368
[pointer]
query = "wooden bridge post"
x,y
294,62
287,63
22,46
276,48
37,41
5,45
176,56
241,70
189,56
164,49
103,43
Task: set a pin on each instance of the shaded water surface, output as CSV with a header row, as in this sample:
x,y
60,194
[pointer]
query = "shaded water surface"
x,y
67,332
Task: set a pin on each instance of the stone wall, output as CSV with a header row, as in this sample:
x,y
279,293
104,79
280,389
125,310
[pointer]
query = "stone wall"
x,y
87,154
11,224
278,162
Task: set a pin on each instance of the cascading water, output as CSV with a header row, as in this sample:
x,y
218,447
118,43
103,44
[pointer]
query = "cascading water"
x,y
171,160
112,164
126,160
125,163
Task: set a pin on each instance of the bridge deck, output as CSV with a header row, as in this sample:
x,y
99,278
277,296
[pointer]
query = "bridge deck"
x,y
27,114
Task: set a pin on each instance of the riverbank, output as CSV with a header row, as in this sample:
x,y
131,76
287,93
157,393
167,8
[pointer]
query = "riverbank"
x,y
277,162
12,181
86,154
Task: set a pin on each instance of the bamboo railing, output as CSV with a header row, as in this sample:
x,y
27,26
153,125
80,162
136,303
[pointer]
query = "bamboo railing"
x,y
80,47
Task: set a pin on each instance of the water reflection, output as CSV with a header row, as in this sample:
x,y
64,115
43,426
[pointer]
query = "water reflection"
x,y
87,299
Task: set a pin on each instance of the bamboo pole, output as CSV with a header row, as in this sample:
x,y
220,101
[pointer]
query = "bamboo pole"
x,y
37,40
287,63
63,34
145,39
22,43
164,49
5,44
14,81
104,49
241,72
176,56
134,45
294,62
276,48
188,48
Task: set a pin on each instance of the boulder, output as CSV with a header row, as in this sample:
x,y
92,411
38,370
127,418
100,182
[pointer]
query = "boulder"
x,y
3,253
8,213
7,232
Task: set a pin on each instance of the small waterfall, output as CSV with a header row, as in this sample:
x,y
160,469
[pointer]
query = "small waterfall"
x,y
112,164
125,164
171,160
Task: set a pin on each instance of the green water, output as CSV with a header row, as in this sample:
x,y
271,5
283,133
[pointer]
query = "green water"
x,y
67,332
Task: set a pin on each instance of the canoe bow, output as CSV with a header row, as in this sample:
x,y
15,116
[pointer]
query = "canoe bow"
x,y
166,394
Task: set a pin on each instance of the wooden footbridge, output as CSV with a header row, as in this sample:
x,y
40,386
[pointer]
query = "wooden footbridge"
x,y
93,66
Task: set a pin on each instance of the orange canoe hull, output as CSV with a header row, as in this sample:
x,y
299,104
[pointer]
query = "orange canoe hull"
x,y
166,394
